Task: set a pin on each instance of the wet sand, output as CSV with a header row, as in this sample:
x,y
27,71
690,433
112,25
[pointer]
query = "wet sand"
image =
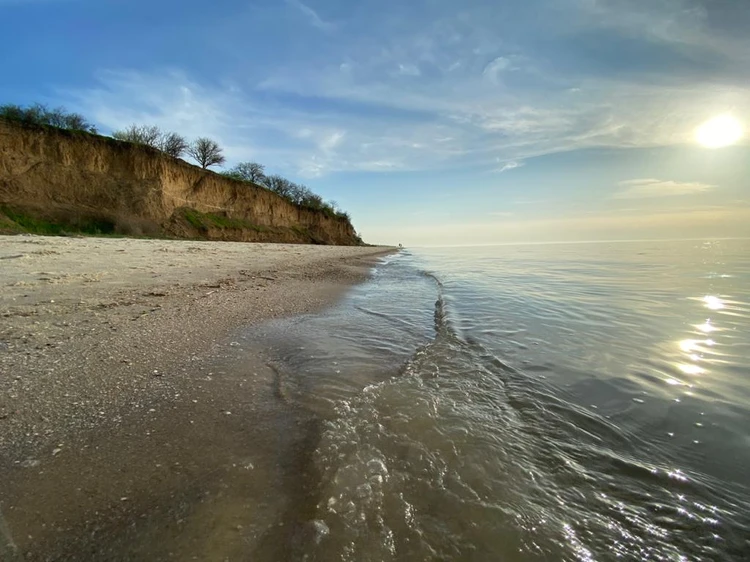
x,y
132,425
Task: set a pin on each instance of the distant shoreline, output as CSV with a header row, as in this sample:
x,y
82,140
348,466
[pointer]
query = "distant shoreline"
x,y
114,419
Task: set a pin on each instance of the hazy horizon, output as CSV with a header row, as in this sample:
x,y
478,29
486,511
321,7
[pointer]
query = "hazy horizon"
x,y
603,241
430,123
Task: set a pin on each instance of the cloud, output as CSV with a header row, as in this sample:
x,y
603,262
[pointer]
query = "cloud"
x,y
603,82
492,71
168,99
333,140
447,107
408,70
648,188
174,102
287,137
312,16
512,165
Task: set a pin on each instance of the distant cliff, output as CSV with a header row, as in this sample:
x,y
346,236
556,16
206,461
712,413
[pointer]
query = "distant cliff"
x,y
52,180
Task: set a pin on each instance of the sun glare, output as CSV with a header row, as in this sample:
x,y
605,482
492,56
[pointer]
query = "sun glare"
x,y
722,130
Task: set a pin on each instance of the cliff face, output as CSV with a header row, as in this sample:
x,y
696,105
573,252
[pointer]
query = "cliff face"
x,y
75,178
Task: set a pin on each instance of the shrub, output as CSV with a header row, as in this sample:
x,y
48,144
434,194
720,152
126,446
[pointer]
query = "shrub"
x,y
169,143
139,134
248,171
39,114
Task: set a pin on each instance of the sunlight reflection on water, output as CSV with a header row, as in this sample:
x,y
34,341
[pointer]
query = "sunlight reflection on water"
x,y
568,404
714,303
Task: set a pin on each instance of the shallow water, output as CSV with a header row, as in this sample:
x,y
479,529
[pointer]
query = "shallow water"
x,y
541,402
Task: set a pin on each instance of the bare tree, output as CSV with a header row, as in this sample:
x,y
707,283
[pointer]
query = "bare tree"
x,y
206,152
297,192
140,134
279,185
173,144
250,171
169,143
313,201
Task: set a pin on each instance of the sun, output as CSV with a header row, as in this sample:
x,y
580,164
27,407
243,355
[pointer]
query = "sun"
x,y
722,130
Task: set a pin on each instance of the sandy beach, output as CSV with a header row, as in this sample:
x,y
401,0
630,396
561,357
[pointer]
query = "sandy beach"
x,y
132,425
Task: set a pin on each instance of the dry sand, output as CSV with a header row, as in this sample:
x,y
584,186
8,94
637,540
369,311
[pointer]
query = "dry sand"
x,y
132,425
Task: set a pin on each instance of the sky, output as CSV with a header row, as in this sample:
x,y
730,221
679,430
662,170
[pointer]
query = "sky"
x,y
433,122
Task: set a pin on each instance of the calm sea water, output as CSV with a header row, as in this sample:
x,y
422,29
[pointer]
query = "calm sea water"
x,y
540,402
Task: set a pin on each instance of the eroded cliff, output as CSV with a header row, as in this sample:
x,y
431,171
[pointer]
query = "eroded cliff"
x,y
85,182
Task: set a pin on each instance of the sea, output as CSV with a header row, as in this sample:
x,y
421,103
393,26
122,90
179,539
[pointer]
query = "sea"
x,y
563,402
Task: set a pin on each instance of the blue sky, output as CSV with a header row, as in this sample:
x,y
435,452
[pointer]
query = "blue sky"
x,y
432,122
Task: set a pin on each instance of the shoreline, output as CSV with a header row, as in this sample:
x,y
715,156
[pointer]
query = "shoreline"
x,y
124,411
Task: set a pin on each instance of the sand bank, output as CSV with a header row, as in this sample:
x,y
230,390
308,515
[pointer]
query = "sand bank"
x,y
132,426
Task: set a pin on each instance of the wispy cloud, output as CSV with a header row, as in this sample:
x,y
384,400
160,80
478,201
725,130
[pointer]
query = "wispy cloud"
x,y
312,16
615,79
507,166
288,139
649,187
445,91
408,70
495,67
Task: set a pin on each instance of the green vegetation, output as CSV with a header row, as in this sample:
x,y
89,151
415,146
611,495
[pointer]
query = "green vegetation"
x,y
204,221
39,114
48,227
7,226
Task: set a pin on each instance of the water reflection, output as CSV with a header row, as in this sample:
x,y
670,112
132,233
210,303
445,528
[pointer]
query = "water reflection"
x,y
714,303
691,369
563,411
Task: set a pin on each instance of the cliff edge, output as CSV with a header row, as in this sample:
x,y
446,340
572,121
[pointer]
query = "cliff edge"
x,y
57,180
